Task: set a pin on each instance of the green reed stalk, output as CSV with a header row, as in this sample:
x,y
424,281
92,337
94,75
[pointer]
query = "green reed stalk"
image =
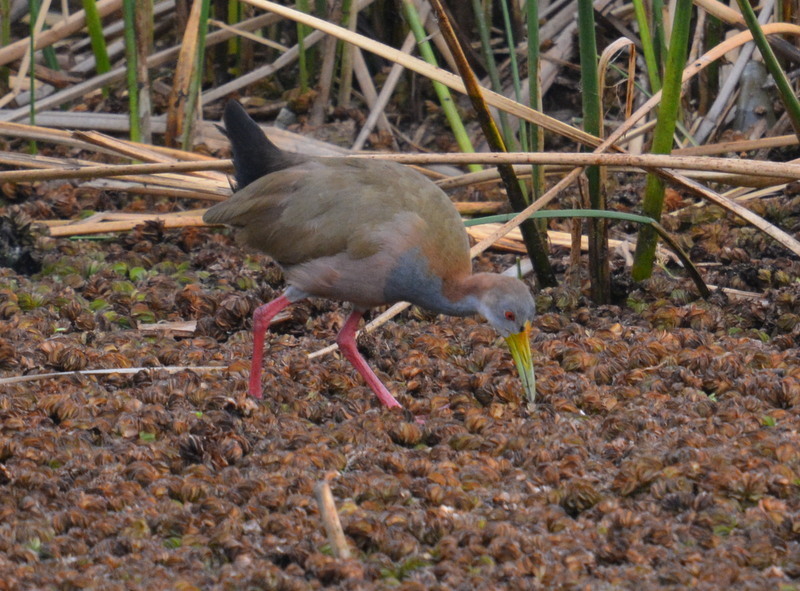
x,y
491,68
442,92
349,18
782,82
660,41
5,39
302,60
592,115
653,201
49,54
647,46
129,20
512,54
32,6
235,42
535,135
95,27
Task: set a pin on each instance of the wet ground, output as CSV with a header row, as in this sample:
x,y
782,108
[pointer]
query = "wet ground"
x,y
663,451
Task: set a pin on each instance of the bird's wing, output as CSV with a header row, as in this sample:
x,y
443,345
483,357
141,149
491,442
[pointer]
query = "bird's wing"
x,y
323,207
265,195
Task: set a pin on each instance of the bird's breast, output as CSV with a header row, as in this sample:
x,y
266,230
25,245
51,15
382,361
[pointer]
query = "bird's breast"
x,y
411,279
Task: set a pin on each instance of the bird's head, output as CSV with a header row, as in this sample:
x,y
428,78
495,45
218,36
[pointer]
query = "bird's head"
x,y
508,306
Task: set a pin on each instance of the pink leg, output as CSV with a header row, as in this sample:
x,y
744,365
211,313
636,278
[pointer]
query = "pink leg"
x,y
261,320
347,345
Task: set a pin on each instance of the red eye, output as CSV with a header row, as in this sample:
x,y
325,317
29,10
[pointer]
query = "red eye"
x,y
510,316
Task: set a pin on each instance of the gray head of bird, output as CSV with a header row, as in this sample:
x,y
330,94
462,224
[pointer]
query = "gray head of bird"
x,y
508,306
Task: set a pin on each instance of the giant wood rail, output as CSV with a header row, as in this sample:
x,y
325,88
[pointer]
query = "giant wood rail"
x,y
367,232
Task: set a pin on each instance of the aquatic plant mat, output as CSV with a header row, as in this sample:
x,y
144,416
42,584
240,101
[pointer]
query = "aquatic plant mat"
x,y
663,450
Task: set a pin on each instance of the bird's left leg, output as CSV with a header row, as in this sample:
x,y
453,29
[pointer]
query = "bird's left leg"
x,y
261,320
347,345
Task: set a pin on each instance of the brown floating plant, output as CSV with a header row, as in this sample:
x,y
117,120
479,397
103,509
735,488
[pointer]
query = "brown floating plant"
x,y
663,450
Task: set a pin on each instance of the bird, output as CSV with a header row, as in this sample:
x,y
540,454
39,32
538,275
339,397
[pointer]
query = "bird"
x,y
368,232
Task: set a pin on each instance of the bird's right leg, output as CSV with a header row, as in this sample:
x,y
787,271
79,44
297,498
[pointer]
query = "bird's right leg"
x,y
347,345
261,321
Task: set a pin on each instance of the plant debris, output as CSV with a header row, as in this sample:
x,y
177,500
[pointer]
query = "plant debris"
x,y
663,451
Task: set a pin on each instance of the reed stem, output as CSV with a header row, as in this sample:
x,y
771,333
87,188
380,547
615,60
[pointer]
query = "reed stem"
x,y
95,28
592,119
129,18
781,81
491,67
196,80
32,7
442,92
5,39
302,32
653,201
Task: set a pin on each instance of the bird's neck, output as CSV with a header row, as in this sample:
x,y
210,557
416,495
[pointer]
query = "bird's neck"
x,y
462,294
459,294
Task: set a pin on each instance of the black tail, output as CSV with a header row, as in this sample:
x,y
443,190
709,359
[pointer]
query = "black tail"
x,y
254,155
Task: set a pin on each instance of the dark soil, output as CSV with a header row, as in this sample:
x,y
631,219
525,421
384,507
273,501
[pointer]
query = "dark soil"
x,y
663,451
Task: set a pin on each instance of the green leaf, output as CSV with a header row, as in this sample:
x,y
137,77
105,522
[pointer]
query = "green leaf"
x,y
173,542
98,304
137,273
120,268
